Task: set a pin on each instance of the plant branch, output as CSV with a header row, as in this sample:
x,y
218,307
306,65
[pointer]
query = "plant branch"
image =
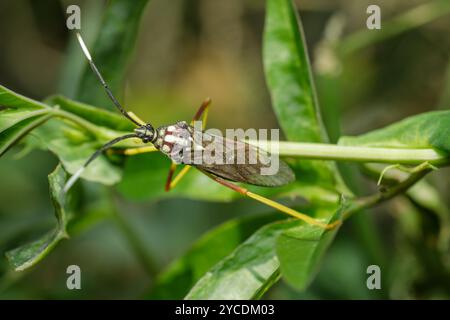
x,y
321,151
370,201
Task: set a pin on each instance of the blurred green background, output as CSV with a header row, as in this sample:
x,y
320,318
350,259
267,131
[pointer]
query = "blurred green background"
x,y
190,49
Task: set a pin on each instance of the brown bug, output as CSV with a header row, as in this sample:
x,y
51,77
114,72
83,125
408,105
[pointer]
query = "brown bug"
x,y
180,141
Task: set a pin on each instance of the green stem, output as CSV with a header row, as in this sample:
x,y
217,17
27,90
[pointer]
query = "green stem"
x,y
321,151
402,187
317,151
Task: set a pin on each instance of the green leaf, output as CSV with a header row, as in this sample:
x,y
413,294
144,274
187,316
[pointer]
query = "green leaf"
x,y
300,249
111,120
290,82
112,50
11,117
291,86
216,244
73,144
18,116
426,130
288,74
73,147
253,267
12,135
247,271
14,100
28,255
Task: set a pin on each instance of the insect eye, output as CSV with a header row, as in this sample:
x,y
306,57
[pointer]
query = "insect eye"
x,y
182,124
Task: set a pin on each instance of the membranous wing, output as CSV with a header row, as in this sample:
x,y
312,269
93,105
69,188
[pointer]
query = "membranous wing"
x,y
237,161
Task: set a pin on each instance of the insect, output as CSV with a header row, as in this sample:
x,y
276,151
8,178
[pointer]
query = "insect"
x,y
181,139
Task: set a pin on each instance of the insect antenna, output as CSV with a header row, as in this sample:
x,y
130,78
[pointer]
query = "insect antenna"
x,y
105,85
106,146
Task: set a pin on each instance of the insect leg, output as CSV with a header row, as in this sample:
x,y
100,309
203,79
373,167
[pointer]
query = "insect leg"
x,y
172,169
202,112
136,118
274,204
171,184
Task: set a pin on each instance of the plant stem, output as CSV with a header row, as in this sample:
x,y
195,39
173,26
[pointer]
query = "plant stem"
x,y
370,201
317,151
321,151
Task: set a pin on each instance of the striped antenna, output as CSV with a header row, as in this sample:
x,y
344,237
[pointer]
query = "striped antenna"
x,y
105,85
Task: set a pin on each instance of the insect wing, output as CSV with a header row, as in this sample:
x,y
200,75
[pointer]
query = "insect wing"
x,y
237,161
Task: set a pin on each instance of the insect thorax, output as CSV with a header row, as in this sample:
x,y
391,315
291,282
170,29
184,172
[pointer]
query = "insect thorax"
x,y
174,139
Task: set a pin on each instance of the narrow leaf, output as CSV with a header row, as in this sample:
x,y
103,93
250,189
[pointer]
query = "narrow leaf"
x,y
254,266
11,99
246,272
14,110
290,82
301,248
426,130
215,245
10,117
288,74
28,255
291,85
12,135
